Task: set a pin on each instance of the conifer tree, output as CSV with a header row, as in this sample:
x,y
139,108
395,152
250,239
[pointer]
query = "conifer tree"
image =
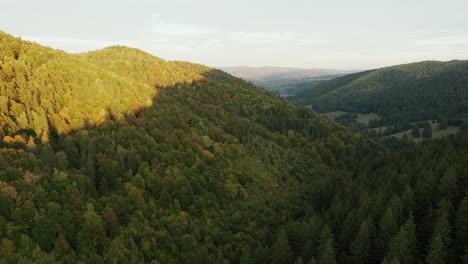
x,y
327,251
361,245
462,229
281,250
427,130
403,246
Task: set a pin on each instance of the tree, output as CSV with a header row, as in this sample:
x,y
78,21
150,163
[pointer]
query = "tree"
x,y
106,177
437,251
403,247
6,205
299,261
462,228
3,163
262,254
443,124
91,233
427,130
415,131
281,251
312,261
327,253
245,257
388,226
61,161
25,214
61,246
361,245
44,233
448,183
47,156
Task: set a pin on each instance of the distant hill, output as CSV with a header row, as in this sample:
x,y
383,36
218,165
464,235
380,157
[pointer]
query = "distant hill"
x,y
278,73
400,95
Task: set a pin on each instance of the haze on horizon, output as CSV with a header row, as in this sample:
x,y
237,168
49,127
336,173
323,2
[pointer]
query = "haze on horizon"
x,y
333,34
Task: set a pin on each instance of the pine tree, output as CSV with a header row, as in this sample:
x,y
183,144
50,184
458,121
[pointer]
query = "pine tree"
x,y
427,130
299,261
262,255
281,251
245,257
312,261
361,245
462,228
327,254
47,156
403,247
448,183
415,132
388,226
61,161
437,251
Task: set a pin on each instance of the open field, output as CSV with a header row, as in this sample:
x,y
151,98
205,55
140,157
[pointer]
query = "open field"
x,y
334,115
366,118
436,133
363,119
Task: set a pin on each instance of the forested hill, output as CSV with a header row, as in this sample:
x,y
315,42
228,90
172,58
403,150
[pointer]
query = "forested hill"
x,y
117,156
122,157
402,93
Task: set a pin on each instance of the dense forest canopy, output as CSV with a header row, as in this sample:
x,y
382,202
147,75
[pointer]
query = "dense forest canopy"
x,y
117,156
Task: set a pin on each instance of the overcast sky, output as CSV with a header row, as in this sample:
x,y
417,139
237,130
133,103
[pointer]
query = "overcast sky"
x,y
357,34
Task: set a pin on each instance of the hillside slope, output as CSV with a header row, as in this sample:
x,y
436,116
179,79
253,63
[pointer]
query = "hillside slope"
x,y
121,156
403,93
398,97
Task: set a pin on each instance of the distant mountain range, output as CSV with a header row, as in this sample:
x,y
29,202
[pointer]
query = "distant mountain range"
x,y
278,73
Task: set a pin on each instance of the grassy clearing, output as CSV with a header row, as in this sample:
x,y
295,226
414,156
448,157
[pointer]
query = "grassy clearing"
x,y
366,118
334,115
436,132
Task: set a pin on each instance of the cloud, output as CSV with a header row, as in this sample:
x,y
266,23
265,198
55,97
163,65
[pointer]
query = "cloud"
x,y
164,28
453,40
261,37
212,36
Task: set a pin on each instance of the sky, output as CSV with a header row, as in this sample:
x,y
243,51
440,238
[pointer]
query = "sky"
x,y
331,34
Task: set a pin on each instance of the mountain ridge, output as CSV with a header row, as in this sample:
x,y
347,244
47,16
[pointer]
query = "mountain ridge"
x,y
268,73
